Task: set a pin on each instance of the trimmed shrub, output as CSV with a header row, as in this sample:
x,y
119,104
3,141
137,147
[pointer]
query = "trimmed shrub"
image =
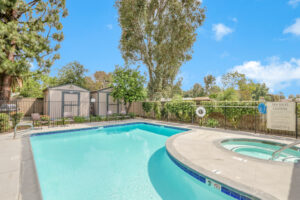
x,y
4,122
157,110
132,115
16,118
147,107
79,119
212,123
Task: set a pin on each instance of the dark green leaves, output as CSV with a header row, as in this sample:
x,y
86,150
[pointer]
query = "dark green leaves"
x,y
159,33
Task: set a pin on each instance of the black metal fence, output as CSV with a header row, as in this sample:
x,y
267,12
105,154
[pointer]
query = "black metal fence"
x,y
55,113
243,116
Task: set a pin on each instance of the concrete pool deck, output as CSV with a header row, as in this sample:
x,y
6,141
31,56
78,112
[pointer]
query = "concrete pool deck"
x,y
200,150
197,148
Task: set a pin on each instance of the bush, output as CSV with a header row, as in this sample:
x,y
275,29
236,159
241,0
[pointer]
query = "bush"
x,y
183,110
4,122
147,107
45,118
96,118
16,118
212,123
131,115
157,110
165,113
79,119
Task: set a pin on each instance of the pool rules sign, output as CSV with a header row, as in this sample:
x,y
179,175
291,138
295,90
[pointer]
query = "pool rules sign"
x,y
281,116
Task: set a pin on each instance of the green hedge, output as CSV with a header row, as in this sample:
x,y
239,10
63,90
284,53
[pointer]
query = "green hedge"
x,y
4,122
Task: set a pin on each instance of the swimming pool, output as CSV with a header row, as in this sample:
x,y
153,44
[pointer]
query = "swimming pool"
x,y
118,162
262,149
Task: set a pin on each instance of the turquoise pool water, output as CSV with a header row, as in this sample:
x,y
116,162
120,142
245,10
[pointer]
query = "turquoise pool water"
x,y
124,162
262,149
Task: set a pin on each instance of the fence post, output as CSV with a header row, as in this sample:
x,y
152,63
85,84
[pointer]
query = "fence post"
x,y
225,115
296,120
255,119
192,117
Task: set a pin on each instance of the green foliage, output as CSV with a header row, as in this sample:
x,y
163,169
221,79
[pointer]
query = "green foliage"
x,y
261,90
99,80
157,110
147,106
72,73
212,123
96,118
4,122
161,35
183,110
16,118
34,85
233,111
210,83
230,94
79,119
30,31
128,86
233,80
132,115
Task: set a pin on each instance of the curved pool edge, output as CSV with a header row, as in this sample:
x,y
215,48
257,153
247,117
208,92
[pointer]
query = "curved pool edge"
x,y
200,171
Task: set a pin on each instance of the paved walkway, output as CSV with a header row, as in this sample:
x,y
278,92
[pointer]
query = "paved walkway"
x,y
10,162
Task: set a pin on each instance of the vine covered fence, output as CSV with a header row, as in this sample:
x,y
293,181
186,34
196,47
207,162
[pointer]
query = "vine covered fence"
x,y
243,116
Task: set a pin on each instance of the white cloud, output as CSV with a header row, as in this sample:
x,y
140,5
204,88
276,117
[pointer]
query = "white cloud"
x,y
275,73
294,28
294,3
109,26
220,31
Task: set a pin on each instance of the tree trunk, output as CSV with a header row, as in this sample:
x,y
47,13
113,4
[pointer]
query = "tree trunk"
x,y
5,87
128,107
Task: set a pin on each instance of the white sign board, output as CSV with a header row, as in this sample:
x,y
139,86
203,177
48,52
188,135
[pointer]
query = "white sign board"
x,y
281,116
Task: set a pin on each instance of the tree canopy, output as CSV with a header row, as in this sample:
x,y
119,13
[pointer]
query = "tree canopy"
x,y
99,80
34,85
30,31
128,86
160,34
73,73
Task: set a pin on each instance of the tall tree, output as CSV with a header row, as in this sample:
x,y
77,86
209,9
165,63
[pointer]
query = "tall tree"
x,y
100,80
29,31
230,94
233,80
210,82
159,33
128,86
261,90
73,73
198,90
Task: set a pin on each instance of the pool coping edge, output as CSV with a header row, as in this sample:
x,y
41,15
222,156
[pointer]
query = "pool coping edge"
x,y
241,188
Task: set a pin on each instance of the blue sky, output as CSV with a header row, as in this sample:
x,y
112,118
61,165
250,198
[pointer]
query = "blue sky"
x,y
260,38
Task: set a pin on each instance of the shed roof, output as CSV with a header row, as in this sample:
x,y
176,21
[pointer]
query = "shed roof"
x,y
102,90
67,87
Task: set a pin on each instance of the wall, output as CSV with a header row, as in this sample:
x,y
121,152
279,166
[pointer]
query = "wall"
x,y
29,105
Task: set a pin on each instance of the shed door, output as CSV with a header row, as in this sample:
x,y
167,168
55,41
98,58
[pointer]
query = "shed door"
x,y
70,104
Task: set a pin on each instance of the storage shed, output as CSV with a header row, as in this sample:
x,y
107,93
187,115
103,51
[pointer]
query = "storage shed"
x,y
66,101
103,103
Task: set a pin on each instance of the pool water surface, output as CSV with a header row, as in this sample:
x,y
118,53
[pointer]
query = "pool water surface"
x,y
121,162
